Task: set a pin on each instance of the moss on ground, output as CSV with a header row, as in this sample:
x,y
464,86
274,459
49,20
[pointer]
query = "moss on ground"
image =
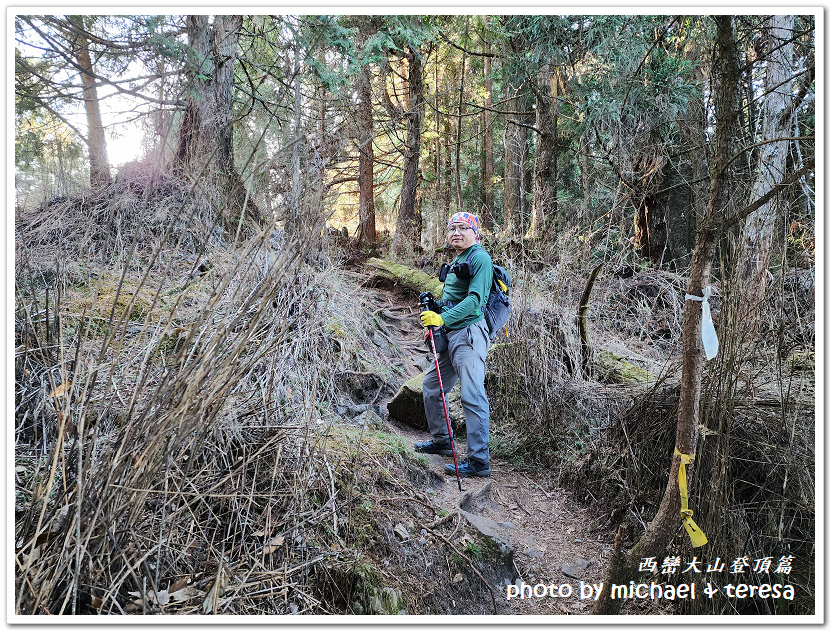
x,y
802,361
413,279
103,297
613,368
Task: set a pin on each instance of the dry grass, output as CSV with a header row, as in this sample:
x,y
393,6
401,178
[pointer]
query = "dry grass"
x,y
179,445
167,386
547,411
753,488
175,407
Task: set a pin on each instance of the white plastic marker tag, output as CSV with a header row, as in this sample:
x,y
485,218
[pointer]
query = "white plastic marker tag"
x,y
707,328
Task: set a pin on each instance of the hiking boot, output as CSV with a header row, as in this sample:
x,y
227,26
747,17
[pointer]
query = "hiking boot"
x,y
436,448
469,468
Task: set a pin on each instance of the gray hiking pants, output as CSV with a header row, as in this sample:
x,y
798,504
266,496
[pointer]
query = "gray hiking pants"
x,y
463,361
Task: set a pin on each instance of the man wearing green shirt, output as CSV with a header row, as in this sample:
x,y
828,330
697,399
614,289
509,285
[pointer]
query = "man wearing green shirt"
x,y
466,289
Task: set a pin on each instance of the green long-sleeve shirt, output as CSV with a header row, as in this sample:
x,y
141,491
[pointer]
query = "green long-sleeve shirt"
x,y
469,296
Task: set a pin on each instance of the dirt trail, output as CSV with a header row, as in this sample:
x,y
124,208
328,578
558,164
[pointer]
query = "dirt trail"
x,y
546,528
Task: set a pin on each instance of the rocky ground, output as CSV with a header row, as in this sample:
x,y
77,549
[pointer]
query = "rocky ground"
x,y
550,536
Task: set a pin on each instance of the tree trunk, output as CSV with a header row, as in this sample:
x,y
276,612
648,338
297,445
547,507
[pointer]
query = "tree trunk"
x,y
437,231
487,219
408,228
693,131
584,153
757,237
366,231
512,209
296,182
206,132
664,526
225,43
194,146
99,167
544,179
513,175
650,229
525,173
226,46
447,205
458,189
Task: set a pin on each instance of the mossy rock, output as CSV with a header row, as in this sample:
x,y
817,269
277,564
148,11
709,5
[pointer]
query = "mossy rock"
x,y
351,440
413,279
407,406
614,369
801,361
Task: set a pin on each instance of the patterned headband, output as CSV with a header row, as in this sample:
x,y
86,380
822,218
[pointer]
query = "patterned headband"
x,y
470,219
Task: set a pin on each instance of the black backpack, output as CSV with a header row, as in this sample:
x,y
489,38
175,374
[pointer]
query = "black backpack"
x,y
498,308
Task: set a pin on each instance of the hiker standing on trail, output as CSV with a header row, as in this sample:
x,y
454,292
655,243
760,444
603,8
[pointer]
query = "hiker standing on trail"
x,y
466,289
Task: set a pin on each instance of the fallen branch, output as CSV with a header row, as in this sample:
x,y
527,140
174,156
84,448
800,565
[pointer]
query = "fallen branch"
x,y
441,521
519,503
582,318
413,279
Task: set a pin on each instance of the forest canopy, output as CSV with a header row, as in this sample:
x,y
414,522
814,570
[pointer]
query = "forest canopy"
x,y
537,122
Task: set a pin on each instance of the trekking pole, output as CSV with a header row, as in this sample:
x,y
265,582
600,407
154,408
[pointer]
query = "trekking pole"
x,y
444,401
446,410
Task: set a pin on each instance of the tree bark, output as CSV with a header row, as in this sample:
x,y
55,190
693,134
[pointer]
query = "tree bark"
x,y
296,182
513,161
694,132
99,167
650,228
193,133
226,46
544,180
408,228
447,162
206,132
225,42
663,527
757,236
458,189
511,171
525,172
487,219
366,231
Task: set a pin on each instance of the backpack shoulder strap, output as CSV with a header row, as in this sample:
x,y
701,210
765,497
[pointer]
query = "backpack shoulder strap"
x,y
472,254
496,270
500,275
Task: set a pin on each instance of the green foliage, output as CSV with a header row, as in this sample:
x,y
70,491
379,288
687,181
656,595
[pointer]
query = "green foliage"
x,y
473,550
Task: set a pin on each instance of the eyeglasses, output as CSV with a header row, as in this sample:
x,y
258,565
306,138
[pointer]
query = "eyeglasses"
x,y
461,229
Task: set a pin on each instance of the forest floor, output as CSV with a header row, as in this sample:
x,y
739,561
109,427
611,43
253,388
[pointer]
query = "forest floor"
x,y
364,340
547,529
554,538
557,539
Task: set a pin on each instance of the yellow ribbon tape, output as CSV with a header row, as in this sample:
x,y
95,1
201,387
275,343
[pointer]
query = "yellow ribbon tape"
x,y
696,535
